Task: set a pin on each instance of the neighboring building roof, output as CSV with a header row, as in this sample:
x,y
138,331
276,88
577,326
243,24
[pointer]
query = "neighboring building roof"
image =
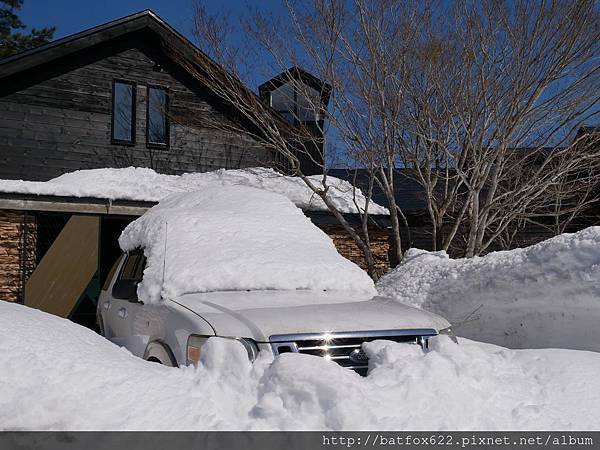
x,y
409,194
588,130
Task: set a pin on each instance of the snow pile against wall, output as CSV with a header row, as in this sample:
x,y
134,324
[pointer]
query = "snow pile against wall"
x,y
546,295
142,184
55,375
235,238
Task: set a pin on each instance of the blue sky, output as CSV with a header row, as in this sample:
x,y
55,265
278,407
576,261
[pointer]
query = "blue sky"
x,y
71,16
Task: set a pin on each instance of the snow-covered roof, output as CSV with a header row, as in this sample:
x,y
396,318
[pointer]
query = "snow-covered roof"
x,y
143,184
235,238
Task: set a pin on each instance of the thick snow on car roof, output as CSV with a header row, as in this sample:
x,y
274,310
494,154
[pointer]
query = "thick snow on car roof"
x,y
235,238
142,184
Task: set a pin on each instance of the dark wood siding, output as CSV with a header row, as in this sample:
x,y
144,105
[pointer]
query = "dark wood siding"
x,y
62,124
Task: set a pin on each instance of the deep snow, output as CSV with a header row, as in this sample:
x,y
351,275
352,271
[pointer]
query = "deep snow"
x,y
142,184
546,295
236,238
55,375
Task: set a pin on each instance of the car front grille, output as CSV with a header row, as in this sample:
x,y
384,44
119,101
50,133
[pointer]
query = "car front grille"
x,y
345,348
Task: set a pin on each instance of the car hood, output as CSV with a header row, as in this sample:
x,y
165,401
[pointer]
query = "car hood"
x,y
260,314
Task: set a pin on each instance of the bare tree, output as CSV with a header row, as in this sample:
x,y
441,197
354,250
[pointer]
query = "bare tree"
x,y
294,136
360,50
477,101
493,112
575,193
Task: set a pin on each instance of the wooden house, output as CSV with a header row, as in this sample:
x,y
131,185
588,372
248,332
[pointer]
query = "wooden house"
x,y
106,97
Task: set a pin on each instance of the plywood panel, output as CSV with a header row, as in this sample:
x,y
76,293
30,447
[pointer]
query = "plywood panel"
x,y
66,269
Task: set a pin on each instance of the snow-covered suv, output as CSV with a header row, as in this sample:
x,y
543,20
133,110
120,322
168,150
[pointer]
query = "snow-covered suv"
x,y
245,264
329,324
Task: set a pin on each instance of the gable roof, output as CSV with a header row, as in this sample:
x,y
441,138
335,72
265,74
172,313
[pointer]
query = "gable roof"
x,y
144,20
144,30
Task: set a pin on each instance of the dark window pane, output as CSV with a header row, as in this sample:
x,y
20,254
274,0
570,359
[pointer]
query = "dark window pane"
x,y
139,270
123,112
289,116
309,103
133,269
157,116
282,101
129,267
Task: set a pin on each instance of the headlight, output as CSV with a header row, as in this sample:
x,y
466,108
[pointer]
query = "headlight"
x,y
195,343
448,332
194,348
250,347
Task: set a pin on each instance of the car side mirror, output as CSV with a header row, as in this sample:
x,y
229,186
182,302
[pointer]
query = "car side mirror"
x,y
125,290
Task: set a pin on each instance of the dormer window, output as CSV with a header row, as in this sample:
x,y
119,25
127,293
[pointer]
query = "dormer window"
x,y
308,104
297,95
295,101
283,100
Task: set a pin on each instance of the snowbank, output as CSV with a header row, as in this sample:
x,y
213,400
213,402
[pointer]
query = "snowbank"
x,y
546,295
55,375
236,238
136,183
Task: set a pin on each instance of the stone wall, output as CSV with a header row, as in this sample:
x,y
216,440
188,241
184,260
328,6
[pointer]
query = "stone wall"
x,y
17,253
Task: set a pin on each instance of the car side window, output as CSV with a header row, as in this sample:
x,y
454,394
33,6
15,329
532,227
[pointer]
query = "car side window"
x,y
134,266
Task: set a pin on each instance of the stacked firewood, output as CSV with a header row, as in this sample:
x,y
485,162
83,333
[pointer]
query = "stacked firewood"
x,y
17,253
347,247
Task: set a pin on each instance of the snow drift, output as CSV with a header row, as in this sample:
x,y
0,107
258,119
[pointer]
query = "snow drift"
x,y
546,295
141,184
55,375
235,238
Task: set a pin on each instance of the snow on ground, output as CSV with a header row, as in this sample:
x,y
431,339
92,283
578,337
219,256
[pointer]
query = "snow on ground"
x,y
236,238
142,184
55,375
546,295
